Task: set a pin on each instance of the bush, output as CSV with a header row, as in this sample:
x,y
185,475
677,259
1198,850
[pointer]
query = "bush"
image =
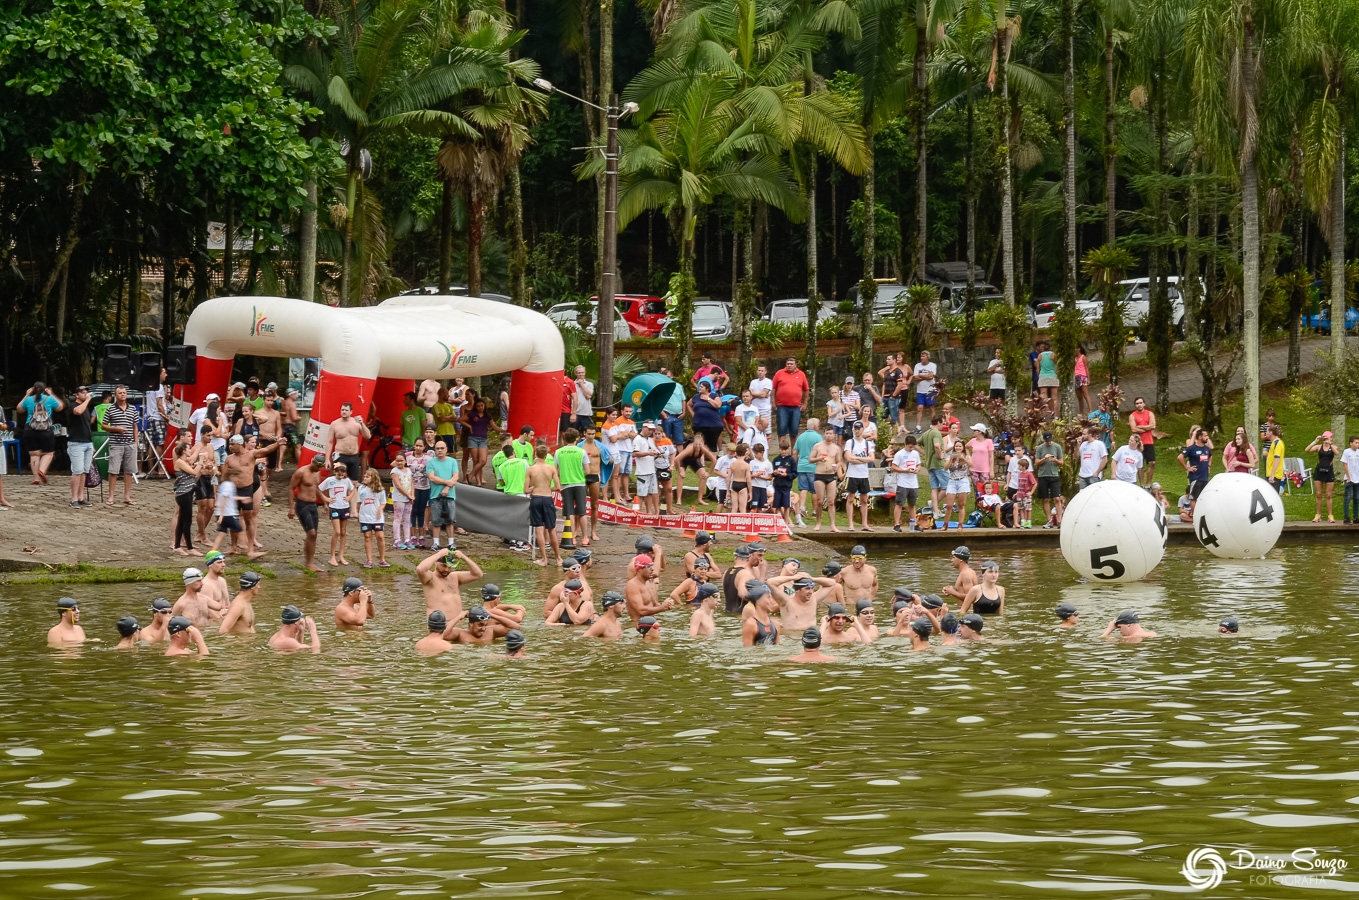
x,y
773,334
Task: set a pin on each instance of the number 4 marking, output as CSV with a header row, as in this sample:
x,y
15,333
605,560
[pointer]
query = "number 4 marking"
x,y
1260,508
1206,537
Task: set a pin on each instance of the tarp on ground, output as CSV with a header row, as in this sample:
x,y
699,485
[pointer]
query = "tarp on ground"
x,y
485,511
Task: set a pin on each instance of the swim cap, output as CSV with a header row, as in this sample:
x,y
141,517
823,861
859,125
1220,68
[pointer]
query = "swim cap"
x,y
351,584
1229,624
702,538
858,550
811,637
291,614
490,592
212,556
478,614
862,604
437,620
646,623
1127,617
743,551
794,560
613,598
802,583
514,640
178,624
1066,610
755,590
127,626
249,580
702,563
831,569
65,604
990,564
898,606
191,575
644,544
641,561
922,627
932,601
755,547
973,621
836,609
583,553
707,590
903,592
949,624
962,552
160,604
569,563
573,584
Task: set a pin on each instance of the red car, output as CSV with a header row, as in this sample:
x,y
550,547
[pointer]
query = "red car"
x,y
645,315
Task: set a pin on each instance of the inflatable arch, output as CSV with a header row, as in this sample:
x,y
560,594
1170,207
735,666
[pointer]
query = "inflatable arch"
x,y
375,354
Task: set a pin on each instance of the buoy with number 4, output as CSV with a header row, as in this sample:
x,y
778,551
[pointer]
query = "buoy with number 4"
x,y
1113,531
1238,516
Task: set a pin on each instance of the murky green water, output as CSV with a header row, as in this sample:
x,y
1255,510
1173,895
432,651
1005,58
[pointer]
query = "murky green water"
x,y
1043,763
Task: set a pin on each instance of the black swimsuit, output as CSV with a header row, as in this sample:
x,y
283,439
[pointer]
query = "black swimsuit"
x,y
987,606
766,634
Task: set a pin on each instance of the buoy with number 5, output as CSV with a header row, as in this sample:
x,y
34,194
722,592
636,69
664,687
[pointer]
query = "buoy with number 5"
x,y
1113,531
1238,516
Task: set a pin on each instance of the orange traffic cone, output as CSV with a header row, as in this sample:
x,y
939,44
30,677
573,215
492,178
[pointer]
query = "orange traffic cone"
x,y
784,538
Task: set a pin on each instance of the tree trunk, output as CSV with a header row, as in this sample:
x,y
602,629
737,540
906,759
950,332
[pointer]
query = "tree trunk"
x,y
809,360
134,281
518,250
1296,296
446,237
202,273
868,288
68,241
744,307
1110,145
229,247
476,211
603,91
922,143
684,301
1337,245
1250,239
1007,219
969,186
650,248
61,302
1159,324
306,274
346,253
1070,225
167,293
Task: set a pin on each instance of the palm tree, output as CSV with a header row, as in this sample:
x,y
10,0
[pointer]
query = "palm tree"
x,y
1105,267
1006,32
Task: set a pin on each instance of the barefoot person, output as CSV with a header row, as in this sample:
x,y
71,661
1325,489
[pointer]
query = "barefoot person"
x,y
829,469
182,634
67,630
356,607
442,582
240,615
342,441
295,626
541,481
339,491
596,471
303,487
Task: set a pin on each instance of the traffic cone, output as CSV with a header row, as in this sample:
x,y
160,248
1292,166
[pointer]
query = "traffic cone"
x,y
568,541
689,532
784,538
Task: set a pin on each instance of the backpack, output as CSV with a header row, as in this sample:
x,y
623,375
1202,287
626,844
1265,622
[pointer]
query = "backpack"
x,y
92,477
41,419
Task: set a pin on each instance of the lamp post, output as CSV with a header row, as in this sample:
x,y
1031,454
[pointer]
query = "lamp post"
x,y
608,277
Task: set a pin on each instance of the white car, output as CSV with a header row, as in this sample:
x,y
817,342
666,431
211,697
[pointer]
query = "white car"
x,y
788,311
569,314
1137,302
711,322
883,304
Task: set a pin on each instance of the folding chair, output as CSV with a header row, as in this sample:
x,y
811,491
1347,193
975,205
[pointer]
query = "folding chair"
x,y
1295,464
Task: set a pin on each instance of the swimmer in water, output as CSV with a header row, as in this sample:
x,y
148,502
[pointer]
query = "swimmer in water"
x,y
574,608
863,618
127,633
641,590
67,630
921,629
442,582
838,628
760,627
970,627
650,630
967,578
811,648
903,613
1129,628
295,625
860,579
182,632
948,626
195,604
1068,615
686,592
798,600
647,546
608,625
356,606
702,623
158,630
514,645
987,598
506,616
572,569
478,630
433,643
240,615
1228,626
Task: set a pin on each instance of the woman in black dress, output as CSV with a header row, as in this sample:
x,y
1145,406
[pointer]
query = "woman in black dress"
x,y
1323,476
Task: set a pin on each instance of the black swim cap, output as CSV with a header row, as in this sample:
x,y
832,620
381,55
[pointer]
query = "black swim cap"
x,y
160,604
646,623
65,604
835,609
645,544
932,601
1066,610
949,624
898,606
178,624
1229,624
962,552
127,626
573,584
802,582
755,547
291,614
1127,617
514,639
756,589
973,621
352,584
862,604
922,627
478,614
490,592
904,593
702,538
702,563
437,620
707,590
794,560
249,580
858,550
811,637
569,563
831,569
613,598
743,551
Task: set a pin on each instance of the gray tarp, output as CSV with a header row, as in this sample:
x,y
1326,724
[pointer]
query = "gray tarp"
x,y
491,512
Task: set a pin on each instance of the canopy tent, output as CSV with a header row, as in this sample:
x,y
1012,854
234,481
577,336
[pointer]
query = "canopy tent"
x,y
375,354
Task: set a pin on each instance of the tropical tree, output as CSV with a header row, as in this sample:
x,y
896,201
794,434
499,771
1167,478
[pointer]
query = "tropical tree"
x,y
1105,267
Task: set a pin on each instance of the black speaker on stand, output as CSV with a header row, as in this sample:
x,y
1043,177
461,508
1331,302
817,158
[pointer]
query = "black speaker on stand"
x,y
181,364
117,364
147,376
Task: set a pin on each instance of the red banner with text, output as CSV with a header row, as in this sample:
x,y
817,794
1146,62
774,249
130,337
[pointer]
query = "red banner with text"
x,y
733,523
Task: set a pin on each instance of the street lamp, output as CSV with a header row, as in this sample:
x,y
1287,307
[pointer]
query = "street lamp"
x,y
608,278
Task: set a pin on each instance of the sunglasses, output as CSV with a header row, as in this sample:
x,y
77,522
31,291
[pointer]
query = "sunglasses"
x,y
858,558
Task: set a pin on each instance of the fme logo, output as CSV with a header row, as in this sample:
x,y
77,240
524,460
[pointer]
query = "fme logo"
x,y
454,356
259,324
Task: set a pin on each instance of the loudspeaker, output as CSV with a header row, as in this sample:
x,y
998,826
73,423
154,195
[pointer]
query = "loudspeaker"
x,y
148,372
181,364
117,364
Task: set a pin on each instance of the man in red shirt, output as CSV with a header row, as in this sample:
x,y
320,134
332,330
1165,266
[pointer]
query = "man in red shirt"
x,y
568,402
713,372
790,396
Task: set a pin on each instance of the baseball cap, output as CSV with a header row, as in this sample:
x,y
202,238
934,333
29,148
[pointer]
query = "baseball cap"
x,y
191,575
211,397
979,427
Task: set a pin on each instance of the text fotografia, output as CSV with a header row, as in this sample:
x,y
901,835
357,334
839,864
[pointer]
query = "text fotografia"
x,y
1205,867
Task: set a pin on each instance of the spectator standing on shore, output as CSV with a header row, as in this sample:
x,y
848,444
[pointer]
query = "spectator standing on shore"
x,y
869,397
835,412
1239,455
892,376
922,376
1094,457
1323,475
996,369
791,392
1048,456
38,407
1143,424
1274,458
156,412
705,410
712,371
80,447
906,463
418,461
1033,366
1103,422
1197,460
1081,375
585,394
981,452
121,421
932,457
1349,466
1048,382
1128,460
806,469
761,389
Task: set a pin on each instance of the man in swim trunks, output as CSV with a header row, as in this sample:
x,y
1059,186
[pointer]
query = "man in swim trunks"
x,y
182,632
1129,627
356,607
433,643
642,590
478,631
67,630
240,615
828,458
608,625
295,626
650,630
345,434
593,468
194,605
442,583
541,481
860,579
290,416
811,647
303,488
967,576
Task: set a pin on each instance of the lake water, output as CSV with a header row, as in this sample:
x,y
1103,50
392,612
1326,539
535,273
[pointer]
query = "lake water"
x,y
1041,763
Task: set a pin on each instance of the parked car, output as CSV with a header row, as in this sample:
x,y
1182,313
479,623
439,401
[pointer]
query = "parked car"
x,y
884,303
1137,303
1041,310
569,314
1322,321
711,322
645,314
951,280
455,290
787,311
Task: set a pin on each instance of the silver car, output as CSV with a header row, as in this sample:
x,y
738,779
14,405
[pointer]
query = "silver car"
x,y
569,314
711,322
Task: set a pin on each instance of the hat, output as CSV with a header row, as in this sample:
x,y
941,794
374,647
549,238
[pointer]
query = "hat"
x,y
437,620
67,603
648,424
702,538
490,592
922,627
213,556
932,601
862,604
1156,485
858,423
979,427
802,583
645,544
755,547
127,626
351,584
898,606
240,384
514,640
271,386
756,589
1229,624
849,379
191,575
1327,435
1066,610
1047,435
178,624
82,389
836,609
641,561
291,614
211,397
1127,617
574,585
962,552
160,604
478,614
949,624
249,580
973,621
613,598
236,439
811,637
646,623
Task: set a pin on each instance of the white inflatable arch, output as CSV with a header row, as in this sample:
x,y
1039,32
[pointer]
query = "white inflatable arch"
x,y
375,354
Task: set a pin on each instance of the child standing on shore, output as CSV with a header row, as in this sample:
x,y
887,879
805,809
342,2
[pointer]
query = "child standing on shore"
x,y
339,492
1024,494
403,493
372,517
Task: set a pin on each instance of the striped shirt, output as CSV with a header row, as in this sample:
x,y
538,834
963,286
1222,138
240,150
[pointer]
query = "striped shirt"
x,y
126,417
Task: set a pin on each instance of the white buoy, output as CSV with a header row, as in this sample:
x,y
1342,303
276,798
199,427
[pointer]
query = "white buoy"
x,y
1238,516
1113,531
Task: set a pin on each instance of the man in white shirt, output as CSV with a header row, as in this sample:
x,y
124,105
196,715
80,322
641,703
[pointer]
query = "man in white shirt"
x,y
644,455
761,391
1094,457
156,412
746,415
1128,460
585,392
850,398
923,376
906,463
858,454
1349,462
